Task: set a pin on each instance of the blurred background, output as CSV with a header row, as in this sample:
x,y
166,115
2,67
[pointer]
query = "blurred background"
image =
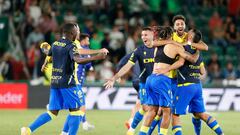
x,y
115,25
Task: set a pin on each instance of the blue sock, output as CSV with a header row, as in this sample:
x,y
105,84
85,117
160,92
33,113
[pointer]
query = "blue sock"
x,y
159,125
214,126
84,118
197,125
177,130
153,125
42,119
66,126
137,118
75,119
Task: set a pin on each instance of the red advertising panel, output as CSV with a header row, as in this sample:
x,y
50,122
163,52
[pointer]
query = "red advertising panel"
x,y
13,95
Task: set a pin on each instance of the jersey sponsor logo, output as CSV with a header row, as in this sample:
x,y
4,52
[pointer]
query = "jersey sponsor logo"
x,y
56,43
148,60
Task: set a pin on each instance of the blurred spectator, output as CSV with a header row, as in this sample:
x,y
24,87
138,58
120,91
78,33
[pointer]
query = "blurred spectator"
x,y
227,22
35,12
230,72
47,25
27,27
136,20
214,72
130,43
118,6
88,27
116,38
120,21
218,35
12,72
95,42
5,6
213,67
34,37
6,69
70,17
233,35
137,6
91,76
215,21
106,70
106,41
233,7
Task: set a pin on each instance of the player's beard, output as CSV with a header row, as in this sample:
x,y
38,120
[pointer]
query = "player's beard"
x,y
180,32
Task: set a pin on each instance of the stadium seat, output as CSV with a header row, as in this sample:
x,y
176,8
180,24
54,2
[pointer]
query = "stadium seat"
x,y
216,49
231,51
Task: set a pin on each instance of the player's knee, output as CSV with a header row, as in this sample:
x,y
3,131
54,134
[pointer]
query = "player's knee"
x,y
145,108
152,111
202,116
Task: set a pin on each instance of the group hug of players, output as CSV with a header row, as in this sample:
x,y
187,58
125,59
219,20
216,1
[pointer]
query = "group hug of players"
x,y
169,80
164,92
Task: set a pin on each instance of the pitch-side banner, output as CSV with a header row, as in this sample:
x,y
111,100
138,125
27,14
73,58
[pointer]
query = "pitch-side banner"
x,y
13,95
123,98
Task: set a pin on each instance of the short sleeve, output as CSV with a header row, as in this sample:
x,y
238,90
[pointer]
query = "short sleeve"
x,y
73,51
134,56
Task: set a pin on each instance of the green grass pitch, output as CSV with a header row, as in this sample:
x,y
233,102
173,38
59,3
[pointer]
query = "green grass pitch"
x,y
106,122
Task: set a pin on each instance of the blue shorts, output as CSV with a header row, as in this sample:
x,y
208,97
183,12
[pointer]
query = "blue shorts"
x,y
143,94
159,90
188,95
81,95
65,98
174,85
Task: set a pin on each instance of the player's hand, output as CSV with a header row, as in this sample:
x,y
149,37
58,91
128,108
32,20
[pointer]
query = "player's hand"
x,y
101,56
104,51
109,83
44,67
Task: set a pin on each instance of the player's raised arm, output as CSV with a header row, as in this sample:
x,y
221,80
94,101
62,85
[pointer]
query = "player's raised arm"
x,y
200,46
186,55
120,73
160,42
89,52
88,59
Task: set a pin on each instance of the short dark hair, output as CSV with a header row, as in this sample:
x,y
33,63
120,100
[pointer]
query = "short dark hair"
x,y
83,36
197,35
176,17
146,28
68,27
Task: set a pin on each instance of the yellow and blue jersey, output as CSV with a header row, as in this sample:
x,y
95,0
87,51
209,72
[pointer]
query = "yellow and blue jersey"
x,y
189,91
182,39
190,73
62,53
145,57
179,39
80,69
